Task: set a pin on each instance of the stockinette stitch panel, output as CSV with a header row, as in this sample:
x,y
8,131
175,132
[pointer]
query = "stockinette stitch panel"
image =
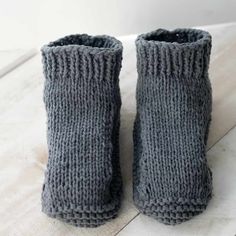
x,y
171,178
82,99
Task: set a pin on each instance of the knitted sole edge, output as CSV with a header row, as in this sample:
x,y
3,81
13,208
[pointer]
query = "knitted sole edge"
x,y
172,213
85,219
87,223
90,217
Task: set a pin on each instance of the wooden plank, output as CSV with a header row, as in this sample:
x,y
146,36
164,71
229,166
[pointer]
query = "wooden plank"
x,y
222,73
23,153
10,59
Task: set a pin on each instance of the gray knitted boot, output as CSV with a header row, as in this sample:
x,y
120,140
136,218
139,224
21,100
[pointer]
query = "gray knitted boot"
x,y
82,98
172,181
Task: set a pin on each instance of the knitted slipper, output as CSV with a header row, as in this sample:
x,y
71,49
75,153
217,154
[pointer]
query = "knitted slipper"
x,y
172,181
82,98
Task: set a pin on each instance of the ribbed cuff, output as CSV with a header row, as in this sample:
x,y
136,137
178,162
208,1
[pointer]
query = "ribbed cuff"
x,y
83,57
181,53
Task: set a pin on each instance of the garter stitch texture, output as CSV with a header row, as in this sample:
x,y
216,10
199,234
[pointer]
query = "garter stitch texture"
x,y
172,181
82,98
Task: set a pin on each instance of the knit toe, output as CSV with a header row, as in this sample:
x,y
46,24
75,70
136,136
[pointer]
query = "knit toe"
x,y
172,212
85,216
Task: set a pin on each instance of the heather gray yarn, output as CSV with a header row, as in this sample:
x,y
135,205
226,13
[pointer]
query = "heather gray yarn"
x,y
171,179
82,98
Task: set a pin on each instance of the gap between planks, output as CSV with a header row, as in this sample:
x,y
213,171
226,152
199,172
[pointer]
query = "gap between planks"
x,y
18,61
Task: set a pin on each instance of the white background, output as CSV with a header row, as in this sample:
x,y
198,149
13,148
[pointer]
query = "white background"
x,y
28,23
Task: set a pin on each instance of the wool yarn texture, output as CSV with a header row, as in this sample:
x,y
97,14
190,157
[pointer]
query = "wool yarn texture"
x,y
82,183
171,178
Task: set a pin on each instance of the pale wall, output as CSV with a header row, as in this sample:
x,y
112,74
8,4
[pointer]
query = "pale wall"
x,y
26,23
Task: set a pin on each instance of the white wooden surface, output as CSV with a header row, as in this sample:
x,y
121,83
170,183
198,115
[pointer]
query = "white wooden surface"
x,y
10,59
23,153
